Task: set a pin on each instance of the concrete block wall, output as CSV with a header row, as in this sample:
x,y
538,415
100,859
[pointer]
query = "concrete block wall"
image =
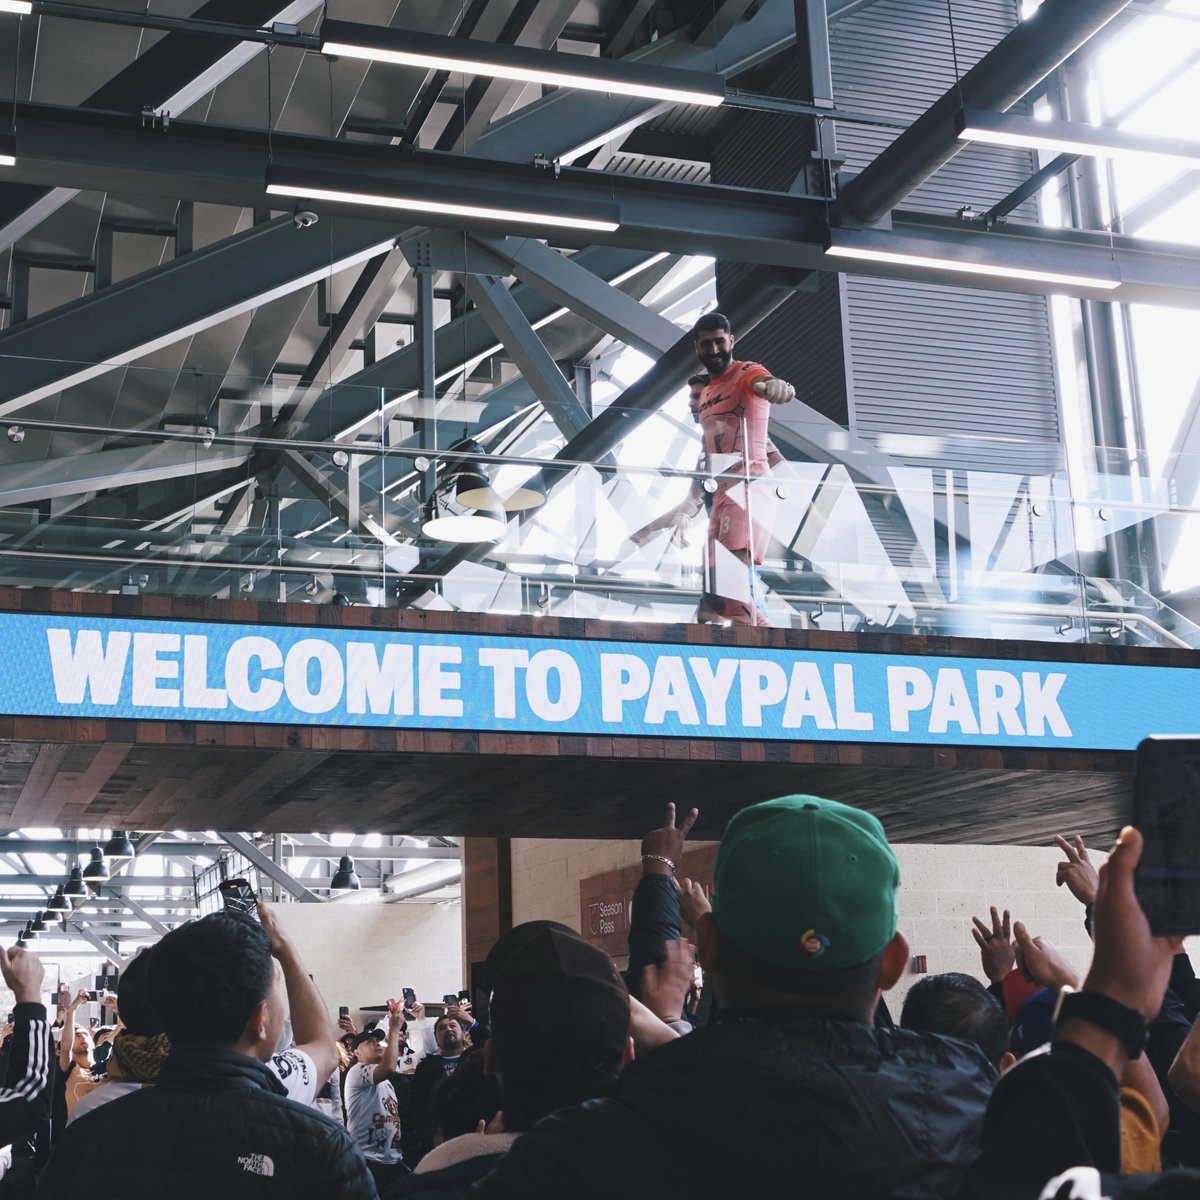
x,y
942,888
363,954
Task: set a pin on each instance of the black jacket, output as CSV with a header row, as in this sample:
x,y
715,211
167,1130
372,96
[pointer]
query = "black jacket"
x,y
811,1108
27,1093
1055,1113
217,1124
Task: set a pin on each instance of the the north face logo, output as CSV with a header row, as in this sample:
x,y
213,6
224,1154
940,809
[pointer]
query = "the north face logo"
x,y
256,1164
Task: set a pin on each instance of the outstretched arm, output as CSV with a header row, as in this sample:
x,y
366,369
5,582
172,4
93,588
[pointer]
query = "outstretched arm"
x,y
391,1046
26,1096
311,1026
655,917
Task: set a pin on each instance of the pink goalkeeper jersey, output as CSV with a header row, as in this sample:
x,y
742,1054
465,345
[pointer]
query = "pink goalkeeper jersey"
x,y
734,418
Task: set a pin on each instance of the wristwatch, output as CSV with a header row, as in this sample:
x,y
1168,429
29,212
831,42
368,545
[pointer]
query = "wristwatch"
x,y
1127,1025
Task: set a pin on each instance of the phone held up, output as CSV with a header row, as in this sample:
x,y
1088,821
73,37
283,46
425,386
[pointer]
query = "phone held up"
x,y
343,1011
1166,811
238,897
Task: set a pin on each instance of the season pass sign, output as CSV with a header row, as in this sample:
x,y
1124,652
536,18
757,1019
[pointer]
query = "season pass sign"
x,y
78,667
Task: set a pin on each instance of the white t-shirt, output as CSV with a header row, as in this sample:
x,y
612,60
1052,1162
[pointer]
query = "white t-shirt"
x,y
372,1117
298,1074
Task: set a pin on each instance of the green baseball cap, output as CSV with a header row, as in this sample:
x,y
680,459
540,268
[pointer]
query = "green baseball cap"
x,y
807,884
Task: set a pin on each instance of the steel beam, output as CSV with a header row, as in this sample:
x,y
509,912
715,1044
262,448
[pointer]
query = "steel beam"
x,y
173,73
767,228
1061,162
23,845
584,293
74,474
352,402
383,853
321,487
1017,63
131,319
109,951
267,865
569,121
52,881
142,915
532,359
368,299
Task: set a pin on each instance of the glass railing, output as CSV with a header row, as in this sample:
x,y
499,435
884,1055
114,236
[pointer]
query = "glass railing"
x,y
270,490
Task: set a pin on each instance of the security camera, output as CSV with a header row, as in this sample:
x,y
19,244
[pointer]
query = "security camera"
x,y
16,434
302,218
247,584
207,434
311,588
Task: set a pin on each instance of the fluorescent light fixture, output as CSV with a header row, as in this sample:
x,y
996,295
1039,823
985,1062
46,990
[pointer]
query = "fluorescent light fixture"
x,y
524,64
8,150
879,246
1064,137
21,7
452,201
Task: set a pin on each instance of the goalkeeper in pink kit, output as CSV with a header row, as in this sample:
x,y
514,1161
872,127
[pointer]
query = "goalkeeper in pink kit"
x,y
733,411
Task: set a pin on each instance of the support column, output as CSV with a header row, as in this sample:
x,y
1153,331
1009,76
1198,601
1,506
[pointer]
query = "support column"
x,y
816,82
486,899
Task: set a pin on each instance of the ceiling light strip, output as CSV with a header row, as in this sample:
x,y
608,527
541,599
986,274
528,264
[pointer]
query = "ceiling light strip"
x,y
863,246
406,200
523,64
1065,137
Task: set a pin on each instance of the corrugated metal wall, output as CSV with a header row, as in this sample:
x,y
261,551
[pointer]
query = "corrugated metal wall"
x,y
958,362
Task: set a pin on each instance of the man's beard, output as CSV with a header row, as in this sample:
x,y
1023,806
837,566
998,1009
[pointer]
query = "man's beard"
x,y
715,364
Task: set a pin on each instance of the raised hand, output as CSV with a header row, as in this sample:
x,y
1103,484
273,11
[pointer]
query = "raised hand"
x,y
662,848
995,945
1078,872
23,973
1041,961
692,900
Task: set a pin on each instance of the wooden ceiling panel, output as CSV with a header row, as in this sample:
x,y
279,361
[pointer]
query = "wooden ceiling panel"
x,y
161,787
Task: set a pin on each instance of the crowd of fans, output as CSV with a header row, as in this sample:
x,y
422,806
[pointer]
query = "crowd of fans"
x,y
779,1067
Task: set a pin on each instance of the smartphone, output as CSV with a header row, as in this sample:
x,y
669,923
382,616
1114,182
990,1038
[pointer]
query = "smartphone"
x,y
343,1011
410,997
450,998
238,897
1166,811
94,996
463,995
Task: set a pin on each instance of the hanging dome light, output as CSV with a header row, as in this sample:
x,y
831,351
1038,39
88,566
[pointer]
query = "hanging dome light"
x,y
29,932
58,902
38,925
345,879
472,487
531,494
76,890
119,845
96,872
